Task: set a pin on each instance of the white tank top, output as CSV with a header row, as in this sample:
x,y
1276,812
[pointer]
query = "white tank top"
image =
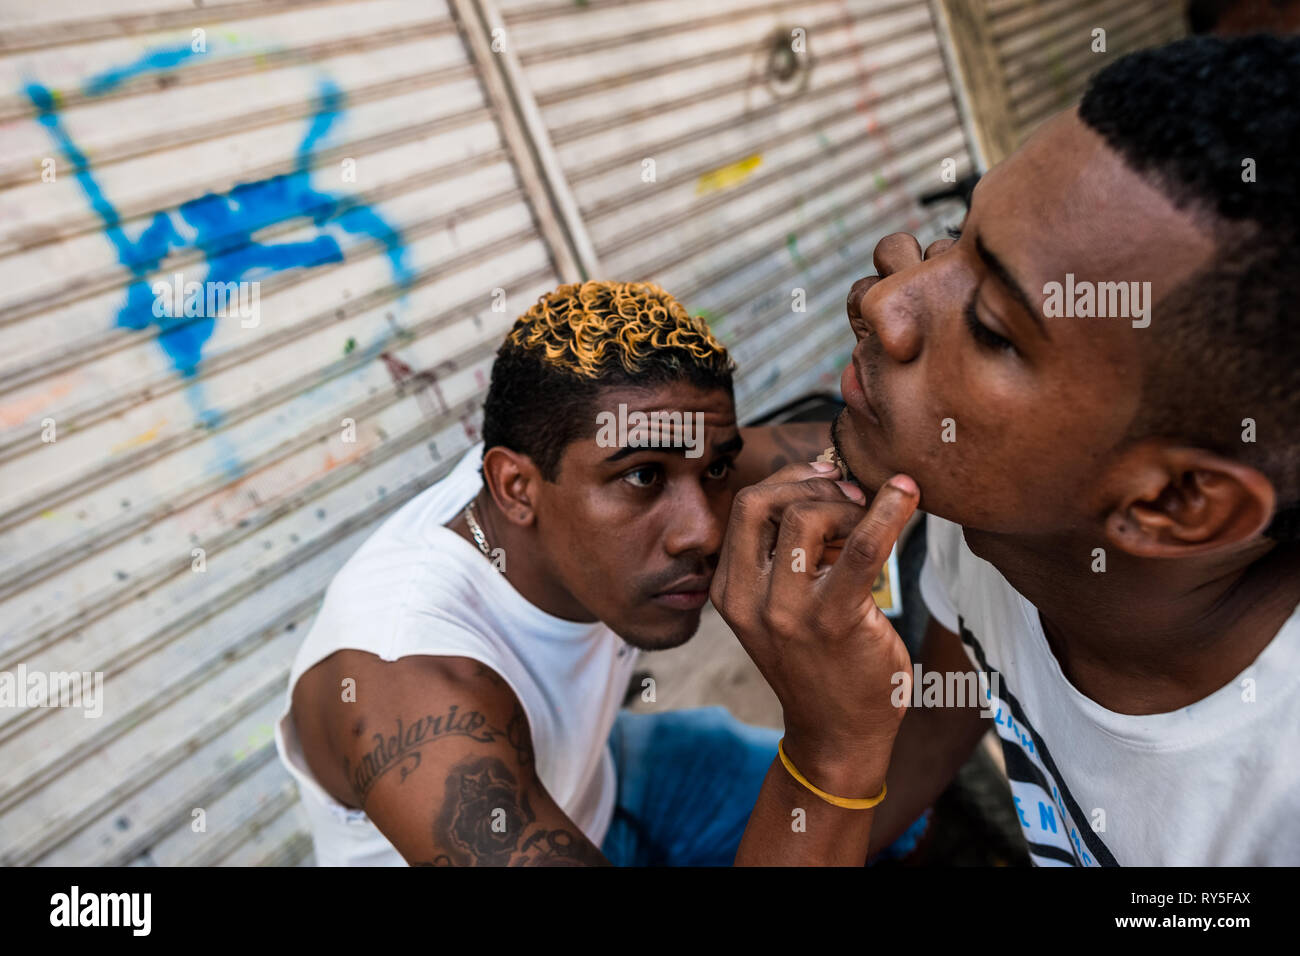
x,y
416,587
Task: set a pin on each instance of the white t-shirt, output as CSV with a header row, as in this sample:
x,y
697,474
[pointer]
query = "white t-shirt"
x,y
416,587
1215,783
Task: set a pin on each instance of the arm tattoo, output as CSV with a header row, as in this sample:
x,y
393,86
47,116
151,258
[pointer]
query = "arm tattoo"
x,y
517,732
797,444
520,737
790,453
485,820
401,750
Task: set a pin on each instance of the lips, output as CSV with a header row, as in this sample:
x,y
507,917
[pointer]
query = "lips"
x,y
688,594
682,600
855,396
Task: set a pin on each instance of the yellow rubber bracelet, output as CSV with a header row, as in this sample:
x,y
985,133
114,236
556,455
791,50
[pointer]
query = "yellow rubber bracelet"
x,y
848,803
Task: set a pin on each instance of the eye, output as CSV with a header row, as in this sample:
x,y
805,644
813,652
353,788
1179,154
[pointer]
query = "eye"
x,y
720,468
954,232
982,334
643,477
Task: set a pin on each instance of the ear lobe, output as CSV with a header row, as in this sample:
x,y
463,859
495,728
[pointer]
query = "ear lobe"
x,y
511,478
1205,502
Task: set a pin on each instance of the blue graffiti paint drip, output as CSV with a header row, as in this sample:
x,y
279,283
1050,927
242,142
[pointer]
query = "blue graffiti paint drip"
x,y
221,226
164,59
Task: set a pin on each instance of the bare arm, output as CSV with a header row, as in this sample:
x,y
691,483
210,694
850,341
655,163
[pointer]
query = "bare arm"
x,y
827,651
438,752
769,448
791,826
932,744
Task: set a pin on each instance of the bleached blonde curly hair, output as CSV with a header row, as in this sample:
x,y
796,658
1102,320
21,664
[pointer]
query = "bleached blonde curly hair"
x,y
589,328
580,339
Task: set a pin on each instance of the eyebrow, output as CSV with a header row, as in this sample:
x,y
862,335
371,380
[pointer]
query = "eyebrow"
x,y
1003,275
732,445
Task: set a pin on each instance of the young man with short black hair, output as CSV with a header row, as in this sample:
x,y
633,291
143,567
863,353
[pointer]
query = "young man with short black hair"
x,y
1113,499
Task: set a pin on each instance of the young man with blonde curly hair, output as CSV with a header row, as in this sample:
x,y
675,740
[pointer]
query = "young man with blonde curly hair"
x,y
457,699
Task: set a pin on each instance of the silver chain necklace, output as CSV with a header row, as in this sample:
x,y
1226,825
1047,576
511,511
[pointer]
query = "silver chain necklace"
x,y
476,530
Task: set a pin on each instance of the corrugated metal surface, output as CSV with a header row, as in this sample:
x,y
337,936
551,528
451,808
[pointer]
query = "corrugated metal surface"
x,y
772,173
1046,46
376,307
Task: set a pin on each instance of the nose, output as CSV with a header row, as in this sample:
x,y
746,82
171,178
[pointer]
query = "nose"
x,y
891,316
696,522
886,311
853,307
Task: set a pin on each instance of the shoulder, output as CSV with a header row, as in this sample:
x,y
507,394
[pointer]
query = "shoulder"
x,y
357,715
356,682
401,594
412,552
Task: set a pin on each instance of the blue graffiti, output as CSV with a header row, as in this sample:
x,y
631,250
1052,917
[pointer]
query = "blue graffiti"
x,y
221,225
149,62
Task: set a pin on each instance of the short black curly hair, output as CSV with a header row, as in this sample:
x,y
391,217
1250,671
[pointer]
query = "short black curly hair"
x,y
1214,123
583,338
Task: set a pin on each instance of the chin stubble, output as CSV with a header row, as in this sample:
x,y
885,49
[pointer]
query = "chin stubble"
x,y
840,460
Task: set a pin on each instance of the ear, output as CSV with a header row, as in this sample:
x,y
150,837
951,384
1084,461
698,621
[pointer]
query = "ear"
x,y
513,481
1175,501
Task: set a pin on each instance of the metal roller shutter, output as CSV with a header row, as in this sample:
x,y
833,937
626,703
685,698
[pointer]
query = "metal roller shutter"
x,y
275,449
361,160
1045,46
772,171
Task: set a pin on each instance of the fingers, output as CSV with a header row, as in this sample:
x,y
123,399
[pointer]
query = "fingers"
x,y
807,528
757,512
740,582
849,581
798,471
